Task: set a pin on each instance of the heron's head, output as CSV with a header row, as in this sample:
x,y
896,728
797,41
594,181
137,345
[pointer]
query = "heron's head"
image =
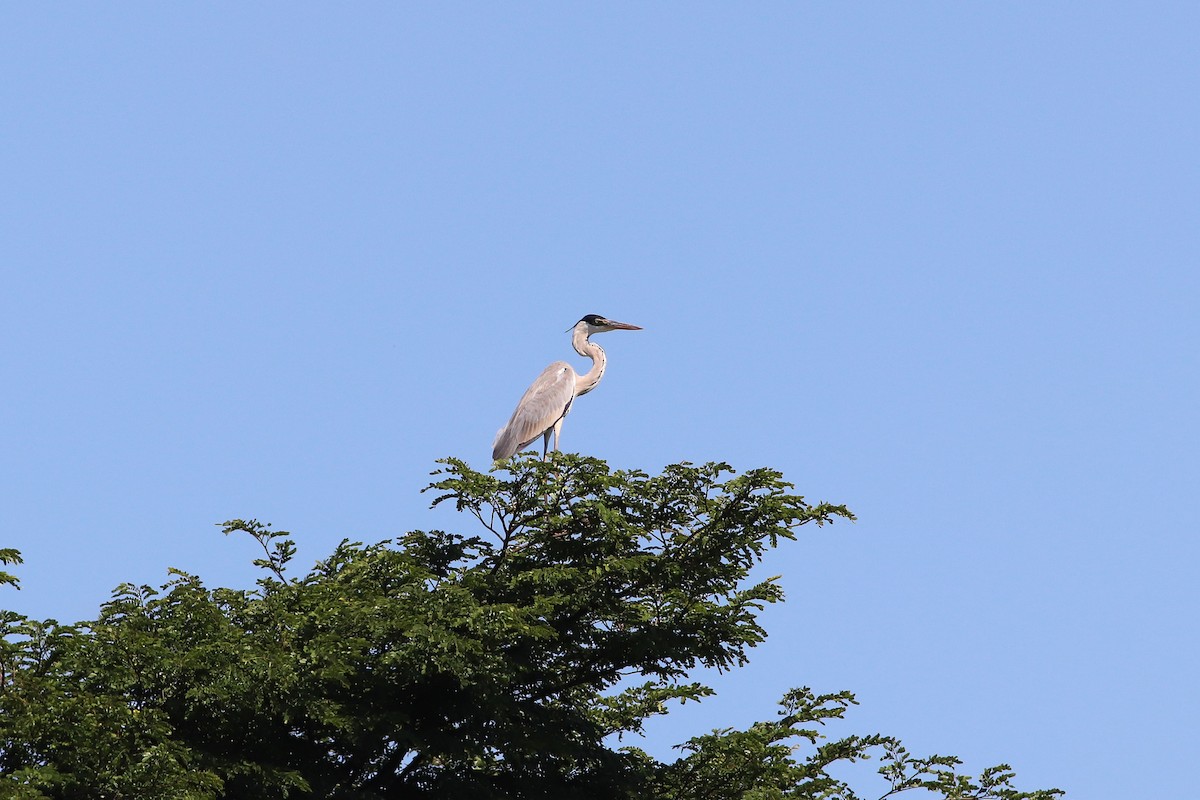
x,y
594,323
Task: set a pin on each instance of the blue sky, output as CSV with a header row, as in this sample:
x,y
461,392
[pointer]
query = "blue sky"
x,y
934,261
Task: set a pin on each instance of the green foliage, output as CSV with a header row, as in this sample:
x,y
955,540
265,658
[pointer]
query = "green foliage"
x,y
9,556
760,764
440,665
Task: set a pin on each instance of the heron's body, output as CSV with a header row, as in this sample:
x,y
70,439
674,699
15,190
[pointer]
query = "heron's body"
x,y
546,402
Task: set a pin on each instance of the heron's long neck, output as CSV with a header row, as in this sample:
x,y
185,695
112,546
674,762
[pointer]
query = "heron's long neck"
x,y
586,347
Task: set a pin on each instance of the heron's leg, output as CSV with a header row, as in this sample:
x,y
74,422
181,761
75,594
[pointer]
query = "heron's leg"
x,y
546,443
558,431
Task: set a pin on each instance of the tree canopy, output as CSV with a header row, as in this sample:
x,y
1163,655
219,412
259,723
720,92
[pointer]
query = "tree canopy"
x,y
503,663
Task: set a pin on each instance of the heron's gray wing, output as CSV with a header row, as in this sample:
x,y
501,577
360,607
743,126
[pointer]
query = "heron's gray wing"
x,y
543,404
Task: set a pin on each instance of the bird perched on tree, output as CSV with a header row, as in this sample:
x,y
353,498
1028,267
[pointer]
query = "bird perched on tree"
x,y
545,404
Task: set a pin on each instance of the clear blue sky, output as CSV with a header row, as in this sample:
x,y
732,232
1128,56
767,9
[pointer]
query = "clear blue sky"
x,y
939,262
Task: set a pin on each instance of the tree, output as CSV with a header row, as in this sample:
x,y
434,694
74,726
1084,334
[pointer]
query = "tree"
x,y
440,665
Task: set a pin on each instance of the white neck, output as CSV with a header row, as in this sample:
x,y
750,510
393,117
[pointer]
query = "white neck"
x,y
586,347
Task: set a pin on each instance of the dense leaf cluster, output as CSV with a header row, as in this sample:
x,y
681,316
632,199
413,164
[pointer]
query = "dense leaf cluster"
x,y
439,665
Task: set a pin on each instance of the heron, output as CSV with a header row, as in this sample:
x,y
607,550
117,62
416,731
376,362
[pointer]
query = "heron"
x,y
545,404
